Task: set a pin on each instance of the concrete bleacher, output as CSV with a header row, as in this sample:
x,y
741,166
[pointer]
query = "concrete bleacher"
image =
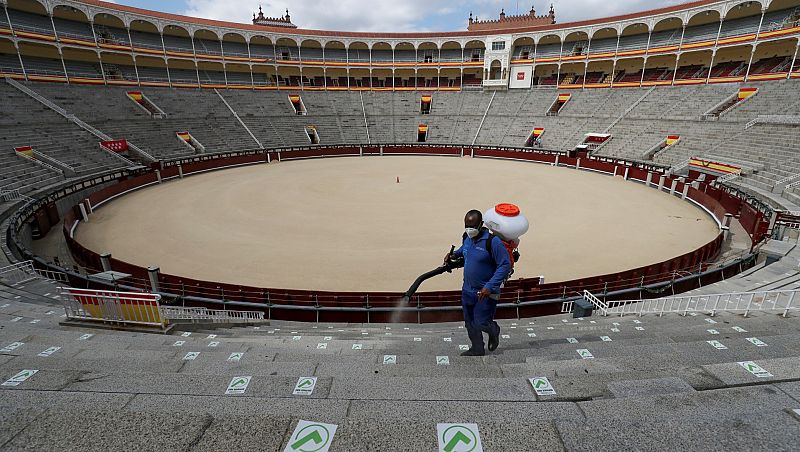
x,y
656,384
26,122
637,118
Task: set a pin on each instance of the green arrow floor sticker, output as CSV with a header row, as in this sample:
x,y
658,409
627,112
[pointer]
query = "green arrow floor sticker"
x,y
305,386
756,341
20,377
311,437
48,352
542,386
755,369
236,357
11,347
390,359
585,354
238,385
443,360
718,345
191,356
459,438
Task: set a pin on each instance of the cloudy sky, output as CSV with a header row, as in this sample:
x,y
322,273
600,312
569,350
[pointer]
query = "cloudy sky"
x,y
393,15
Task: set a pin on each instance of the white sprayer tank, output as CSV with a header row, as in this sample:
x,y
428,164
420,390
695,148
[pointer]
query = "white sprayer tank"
x,y
506,221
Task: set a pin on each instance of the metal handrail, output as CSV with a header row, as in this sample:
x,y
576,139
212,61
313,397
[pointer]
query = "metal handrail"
x,y
213,315
745,302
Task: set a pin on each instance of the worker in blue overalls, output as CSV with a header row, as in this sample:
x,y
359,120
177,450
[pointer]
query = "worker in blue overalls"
x,y
486,267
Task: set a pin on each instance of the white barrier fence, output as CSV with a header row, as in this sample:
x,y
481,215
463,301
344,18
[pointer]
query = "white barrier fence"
x,y
18,273
106,306
142,309
22,272
777,301
211,315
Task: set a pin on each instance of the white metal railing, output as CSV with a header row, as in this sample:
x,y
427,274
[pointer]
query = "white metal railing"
x,y
792,185
779,301
790,120
236,115
629,109
786,182
211,315
13,195
596,302
728,177
18,273
42,160
127,308
483,119
678,167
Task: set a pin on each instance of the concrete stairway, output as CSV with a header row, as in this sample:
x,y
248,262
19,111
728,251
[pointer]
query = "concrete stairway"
x,y
654,383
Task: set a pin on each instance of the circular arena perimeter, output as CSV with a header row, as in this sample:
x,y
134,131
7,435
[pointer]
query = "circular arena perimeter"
x,y
346,224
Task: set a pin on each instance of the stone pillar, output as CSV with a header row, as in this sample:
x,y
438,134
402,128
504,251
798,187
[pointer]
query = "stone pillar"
x,y
84,215
152,273
105,261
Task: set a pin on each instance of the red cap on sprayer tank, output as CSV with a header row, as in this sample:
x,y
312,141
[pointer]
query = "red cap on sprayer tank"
x,y
507,210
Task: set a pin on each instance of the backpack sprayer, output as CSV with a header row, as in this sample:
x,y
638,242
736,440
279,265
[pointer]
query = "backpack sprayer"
x,y
505,221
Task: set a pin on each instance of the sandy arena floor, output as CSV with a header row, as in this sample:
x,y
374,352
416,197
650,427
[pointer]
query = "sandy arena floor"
x,y
345,224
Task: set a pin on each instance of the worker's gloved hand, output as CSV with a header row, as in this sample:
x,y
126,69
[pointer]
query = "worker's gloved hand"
x,y
447,257
483,294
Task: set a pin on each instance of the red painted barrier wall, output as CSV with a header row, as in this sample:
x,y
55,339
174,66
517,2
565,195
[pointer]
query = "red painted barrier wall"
x,y
521,289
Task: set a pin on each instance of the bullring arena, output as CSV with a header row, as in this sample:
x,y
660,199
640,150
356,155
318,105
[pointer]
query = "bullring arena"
x,y
339,224
230,236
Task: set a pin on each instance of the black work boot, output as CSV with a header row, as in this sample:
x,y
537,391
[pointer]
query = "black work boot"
x,y
473,352
494,339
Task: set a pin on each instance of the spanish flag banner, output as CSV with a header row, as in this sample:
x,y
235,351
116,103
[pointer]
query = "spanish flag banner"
x,y
564,97
184,136
423,128
427,99
702,164
744,93
538,131
136,96
27,151
294,98
672,139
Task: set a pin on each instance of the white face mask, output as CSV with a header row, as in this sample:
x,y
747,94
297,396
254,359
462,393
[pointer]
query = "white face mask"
x,y
472,232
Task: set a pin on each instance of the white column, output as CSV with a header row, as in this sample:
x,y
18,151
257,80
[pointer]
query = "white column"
x,y
558,72
714,51
678,57
614,66
136,69
224,66
102,70
755,46
794,58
